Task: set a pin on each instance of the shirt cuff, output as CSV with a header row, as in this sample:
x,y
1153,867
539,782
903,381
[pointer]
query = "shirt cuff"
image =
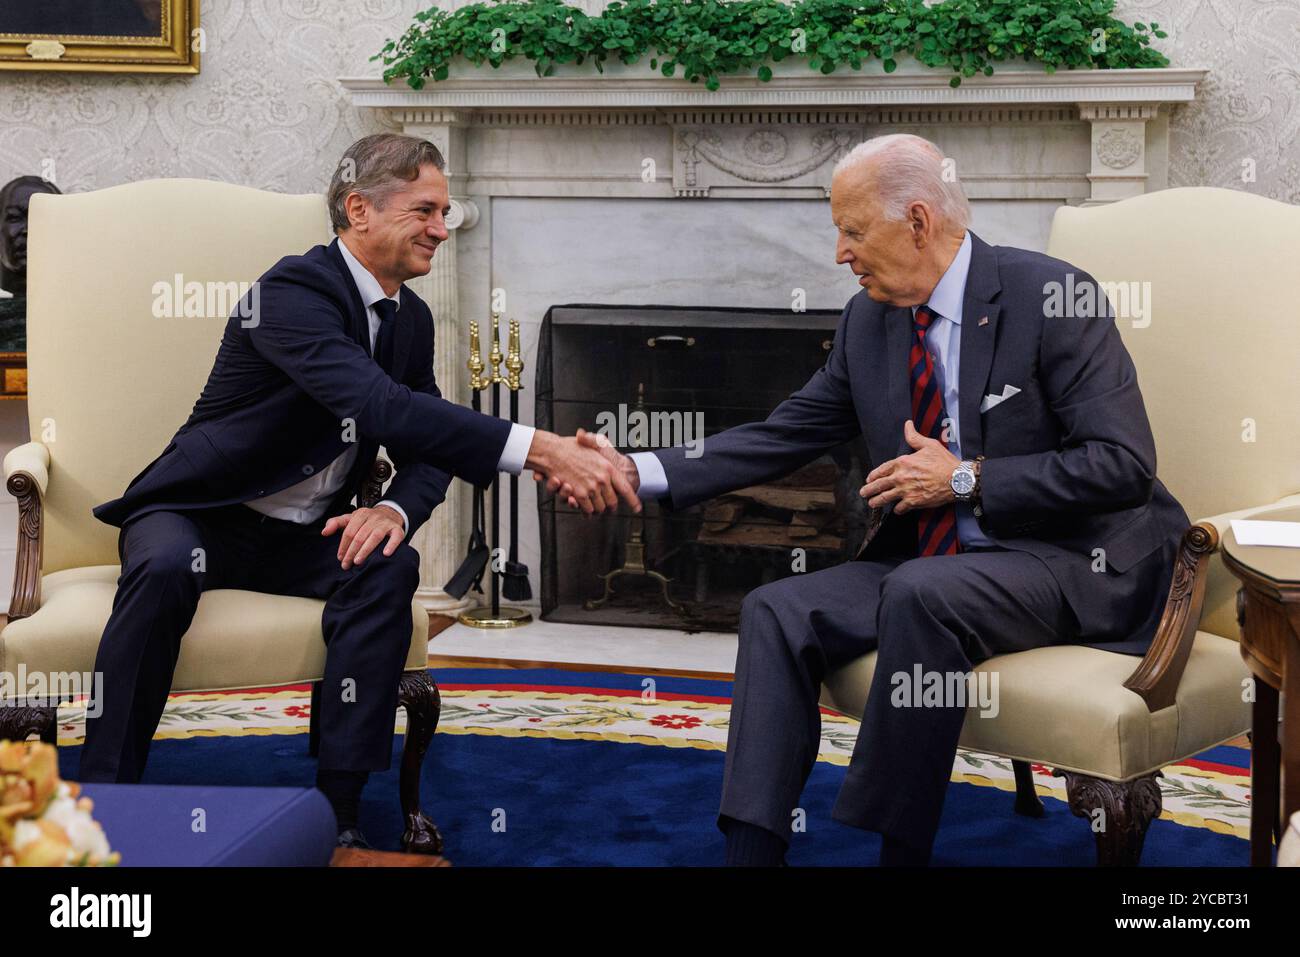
x,y
515,454
406,522
652,481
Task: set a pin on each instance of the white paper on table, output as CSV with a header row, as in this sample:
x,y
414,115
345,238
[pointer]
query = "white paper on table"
x,y
1286,534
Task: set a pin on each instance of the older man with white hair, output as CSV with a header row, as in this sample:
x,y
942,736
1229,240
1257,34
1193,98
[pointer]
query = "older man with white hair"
x,y
1014,503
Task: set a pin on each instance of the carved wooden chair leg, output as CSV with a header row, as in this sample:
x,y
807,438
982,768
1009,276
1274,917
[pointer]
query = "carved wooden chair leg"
x,y
1028,802
17,723
1118,811
419,696
313,721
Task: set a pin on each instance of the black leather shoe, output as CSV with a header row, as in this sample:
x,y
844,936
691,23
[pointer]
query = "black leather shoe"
x,y
352,837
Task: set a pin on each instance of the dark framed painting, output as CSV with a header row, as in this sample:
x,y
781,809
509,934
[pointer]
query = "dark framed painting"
x,y
109,36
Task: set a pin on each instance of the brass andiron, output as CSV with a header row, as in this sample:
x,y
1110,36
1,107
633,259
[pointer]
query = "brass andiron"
x,y
493,615
634,549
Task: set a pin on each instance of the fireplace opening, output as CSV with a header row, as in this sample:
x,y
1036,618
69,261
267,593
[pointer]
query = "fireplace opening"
x,y
657,376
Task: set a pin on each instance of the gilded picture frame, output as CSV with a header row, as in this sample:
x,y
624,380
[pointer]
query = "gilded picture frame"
x,y
104,36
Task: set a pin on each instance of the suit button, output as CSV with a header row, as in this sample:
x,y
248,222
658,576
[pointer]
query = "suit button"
x,y
307,470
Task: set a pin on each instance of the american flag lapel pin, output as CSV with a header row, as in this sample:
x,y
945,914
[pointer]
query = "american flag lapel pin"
x,y
984,320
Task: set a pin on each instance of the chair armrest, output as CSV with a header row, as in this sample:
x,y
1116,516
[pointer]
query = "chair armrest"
x,y
32,460
1161,669
373,485
27,476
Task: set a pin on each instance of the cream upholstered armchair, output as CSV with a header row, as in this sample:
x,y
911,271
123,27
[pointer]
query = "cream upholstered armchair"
x,y
1215,356
109,383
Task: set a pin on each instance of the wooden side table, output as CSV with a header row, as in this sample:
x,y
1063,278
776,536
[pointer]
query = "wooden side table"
x,y
1269,611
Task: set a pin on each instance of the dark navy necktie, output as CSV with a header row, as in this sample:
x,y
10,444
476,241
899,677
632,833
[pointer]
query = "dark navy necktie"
x,y
936,528
383,354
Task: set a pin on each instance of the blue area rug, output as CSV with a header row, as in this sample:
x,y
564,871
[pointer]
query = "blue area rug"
x,y
511,798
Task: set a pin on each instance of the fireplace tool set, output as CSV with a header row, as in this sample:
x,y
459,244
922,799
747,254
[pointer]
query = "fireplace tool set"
x,y
508,578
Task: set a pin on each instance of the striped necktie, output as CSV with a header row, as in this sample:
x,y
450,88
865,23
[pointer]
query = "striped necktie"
x,y
936,528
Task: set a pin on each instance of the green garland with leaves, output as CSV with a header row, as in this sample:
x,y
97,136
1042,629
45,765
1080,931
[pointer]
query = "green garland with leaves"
x,y
709,39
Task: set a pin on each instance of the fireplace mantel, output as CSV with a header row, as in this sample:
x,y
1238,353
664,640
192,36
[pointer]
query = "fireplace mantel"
x,y
515,86
1080,136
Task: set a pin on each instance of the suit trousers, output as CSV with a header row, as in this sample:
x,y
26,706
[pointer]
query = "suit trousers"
x,y
943,613
170,558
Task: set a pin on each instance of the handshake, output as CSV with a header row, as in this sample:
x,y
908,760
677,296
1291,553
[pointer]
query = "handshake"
x,y
586,469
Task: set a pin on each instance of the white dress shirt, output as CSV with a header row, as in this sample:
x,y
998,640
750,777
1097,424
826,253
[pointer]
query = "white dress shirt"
x,y
306,501
943,340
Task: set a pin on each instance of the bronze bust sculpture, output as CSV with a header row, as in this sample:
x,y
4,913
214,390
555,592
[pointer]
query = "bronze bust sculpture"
x,y
14,199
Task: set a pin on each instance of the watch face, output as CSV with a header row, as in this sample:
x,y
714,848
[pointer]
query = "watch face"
x,y
963,482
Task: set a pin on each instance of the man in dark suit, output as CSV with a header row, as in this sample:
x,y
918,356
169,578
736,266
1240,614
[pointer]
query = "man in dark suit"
x,y
1014,502
329,357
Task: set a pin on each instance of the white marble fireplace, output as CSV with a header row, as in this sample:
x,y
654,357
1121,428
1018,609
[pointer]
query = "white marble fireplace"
x,y
627,188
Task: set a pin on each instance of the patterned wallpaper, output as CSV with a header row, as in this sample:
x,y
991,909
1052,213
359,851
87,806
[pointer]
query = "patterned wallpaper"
x,y
266,111
1246,117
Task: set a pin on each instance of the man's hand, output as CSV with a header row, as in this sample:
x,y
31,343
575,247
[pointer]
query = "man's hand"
x,y
581,472
597,441
922,479
363,530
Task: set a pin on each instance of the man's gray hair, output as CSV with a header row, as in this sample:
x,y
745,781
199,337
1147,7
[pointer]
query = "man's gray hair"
x,y
907,169
376,166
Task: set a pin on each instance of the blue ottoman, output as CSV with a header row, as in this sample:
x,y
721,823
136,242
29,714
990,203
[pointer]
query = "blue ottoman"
x,y
157,826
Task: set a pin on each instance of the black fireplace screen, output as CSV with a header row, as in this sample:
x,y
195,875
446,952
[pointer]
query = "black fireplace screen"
x,y
656,376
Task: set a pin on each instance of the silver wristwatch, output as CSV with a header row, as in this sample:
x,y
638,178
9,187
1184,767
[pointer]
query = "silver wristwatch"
x,y
965,481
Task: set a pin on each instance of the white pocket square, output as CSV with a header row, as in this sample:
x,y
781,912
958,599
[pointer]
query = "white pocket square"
x,y
993,398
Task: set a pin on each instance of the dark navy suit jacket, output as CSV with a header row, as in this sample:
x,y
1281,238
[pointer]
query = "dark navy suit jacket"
x,y
1070,461
276,405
